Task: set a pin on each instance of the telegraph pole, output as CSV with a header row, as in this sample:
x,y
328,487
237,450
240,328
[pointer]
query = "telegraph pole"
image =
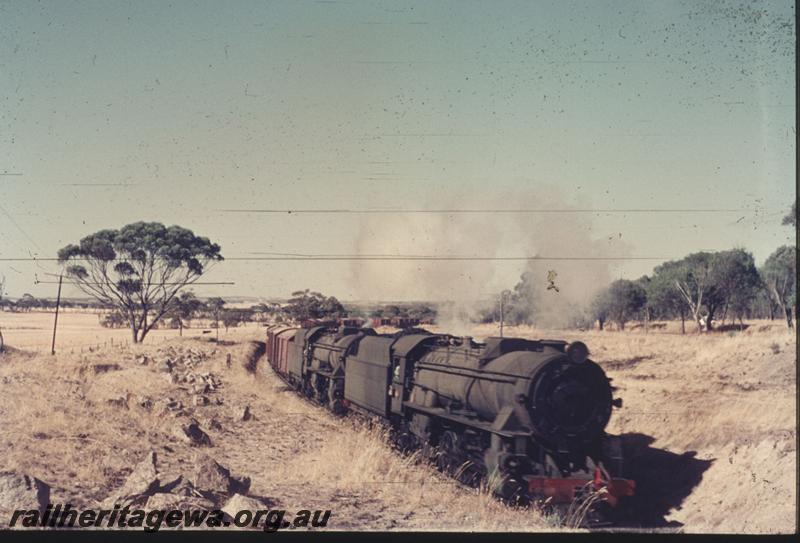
x,y
55,322
502,296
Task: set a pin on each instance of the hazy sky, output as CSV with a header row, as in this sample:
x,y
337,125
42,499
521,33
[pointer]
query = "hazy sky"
x,y
114,112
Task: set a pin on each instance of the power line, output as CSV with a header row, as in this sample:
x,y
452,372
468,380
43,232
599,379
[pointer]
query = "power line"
x,y
10,218
475,211
288,257
388,258
155,284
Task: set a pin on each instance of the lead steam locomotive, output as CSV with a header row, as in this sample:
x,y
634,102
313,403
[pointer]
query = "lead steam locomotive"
x,y
526,416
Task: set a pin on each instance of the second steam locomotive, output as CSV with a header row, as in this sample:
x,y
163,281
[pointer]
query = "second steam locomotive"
x,y
527,416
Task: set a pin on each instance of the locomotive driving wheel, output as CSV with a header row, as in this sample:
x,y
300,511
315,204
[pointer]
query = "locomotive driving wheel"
x,y
448,456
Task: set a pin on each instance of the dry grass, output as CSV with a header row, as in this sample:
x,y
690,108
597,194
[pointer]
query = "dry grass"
x,y
78,331
729,397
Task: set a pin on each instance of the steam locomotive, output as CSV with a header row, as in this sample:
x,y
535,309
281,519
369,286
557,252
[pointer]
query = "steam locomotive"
x,y
525,416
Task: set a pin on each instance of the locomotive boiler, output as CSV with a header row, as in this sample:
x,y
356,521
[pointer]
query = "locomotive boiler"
x,y
526,416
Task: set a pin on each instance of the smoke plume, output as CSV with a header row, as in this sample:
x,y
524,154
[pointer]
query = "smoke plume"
x,y
463,290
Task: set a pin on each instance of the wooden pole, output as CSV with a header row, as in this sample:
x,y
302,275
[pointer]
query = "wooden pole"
x,y
502,295
55,321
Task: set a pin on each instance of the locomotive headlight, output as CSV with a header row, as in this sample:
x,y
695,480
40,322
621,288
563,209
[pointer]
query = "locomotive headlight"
x,y
578,352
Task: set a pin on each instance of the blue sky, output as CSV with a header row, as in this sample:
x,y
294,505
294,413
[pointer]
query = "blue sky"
x,y
114,112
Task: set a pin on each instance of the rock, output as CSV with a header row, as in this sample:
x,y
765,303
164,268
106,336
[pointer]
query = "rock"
x,y
200,388
238,502
121,401
180,486
142,359
200,401
168,502
20,491
143,479
164,367
242,413
171,483
140,484
217,479
172,378
103,368
192,434
145,402
214,424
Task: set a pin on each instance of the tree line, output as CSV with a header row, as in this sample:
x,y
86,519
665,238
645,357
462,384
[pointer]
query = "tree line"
x,y
705,287
142,270
702,287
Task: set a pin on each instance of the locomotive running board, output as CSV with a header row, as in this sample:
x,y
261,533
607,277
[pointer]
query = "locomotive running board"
x,y
443,413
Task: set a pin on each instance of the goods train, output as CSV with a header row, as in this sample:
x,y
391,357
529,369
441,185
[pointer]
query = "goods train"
x,y
527,417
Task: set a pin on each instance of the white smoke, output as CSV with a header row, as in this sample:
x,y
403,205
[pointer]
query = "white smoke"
x,y
463,289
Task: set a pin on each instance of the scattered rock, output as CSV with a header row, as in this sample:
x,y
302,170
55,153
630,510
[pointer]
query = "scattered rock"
x,y
242,413
121,401
180,486
192,434
217,479
143,479
170,502
200,388
172,404
140,484
238,502
103,368
20,491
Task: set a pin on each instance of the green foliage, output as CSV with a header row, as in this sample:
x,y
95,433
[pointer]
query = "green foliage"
x,y
183,309
780,277
305,305
414,311
703,283
264,311
518,305
235,317
214,307
791,218
114,319
139,269
622,301
663,297
736,279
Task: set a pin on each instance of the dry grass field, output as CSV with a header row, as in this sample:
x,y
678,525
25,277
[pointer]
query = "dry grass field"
x,y
33,331
709,424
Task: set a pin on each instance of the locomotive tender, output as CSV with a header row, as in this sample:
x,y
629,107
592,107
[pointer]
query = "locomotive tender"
x,y
528,416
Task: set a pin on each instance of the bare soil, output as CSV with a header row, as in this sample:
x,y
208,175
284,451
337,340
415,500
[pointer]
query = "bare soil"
x,y
708,421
